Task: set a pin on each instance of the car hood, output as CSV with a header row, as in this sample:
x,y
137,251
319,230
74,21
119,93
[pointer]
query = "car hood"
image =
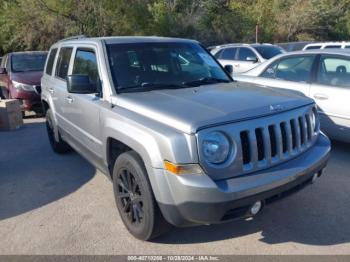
x,y
191,109
30,78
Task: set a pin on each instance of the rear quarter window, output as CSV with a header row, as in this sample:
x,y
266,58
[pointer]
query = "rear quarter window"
x,y
50,61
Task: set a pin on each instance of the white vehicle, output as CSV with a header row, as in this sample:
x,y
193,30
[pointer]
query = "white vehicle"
x,y
328,45
243,57
323,75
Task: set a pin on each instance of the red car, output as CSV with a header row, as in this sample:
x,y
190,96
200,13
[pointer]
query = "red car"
x,y
20,76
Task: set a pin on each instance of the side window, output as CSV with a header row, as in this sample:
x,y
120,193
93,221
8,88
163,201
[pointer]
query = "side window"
x,y
229,53
332,46
218,53
63,62
85,63
296,68
313,47
334,71
50,61
270,71
245,54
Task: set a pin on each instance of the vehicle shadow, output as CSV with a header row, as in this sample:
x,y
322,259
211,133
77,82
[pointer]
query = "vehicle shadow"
x,y
317,215
32,175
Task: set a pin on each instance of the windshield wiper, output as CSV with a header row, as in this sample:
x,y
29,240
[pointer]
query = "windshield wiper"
x,y
148,86
205,81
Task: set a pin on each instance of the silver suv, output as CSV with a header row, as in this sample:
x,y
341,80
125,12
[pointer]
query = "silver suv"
x,y
243,57
181,141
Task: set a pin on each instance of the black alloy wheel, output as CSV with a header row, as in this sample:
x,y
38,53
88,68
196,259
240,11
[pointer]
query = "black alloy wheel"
x,y
130,197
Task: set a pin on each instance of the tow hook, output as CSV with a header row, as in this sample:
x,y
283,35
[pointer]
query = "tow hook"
x,y
315,176
256,208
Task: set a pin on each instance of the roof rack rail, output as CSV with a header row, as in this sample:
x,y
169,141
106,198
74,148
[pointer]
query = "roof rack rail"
x,y
72,38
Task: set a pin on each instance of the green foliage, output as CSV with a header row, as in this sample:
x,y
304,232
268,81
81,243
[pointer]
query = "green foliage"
x,y
36,24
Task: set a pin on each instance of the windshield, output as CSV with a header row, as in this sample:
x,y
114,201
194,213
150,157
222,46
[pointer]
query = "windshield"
x,y
141,66
28,62
268,52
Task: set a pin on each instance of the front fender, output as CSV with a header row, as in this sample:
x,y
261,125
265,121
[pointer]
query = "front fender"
x,y
153,141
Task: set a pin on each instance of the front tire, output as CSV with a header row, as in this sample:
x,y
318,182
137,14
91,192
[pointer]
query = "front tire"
x,y
135,201
56,142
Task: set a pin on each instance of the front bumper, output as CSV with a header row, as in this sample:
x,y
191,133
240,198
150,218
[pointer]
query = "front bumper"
x,y
197,199
30,101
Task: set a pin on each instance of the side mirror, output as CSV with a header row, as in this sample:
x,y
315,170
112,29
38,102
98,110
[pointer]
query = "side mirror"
x,y
253,59
3,71
80,84
229,69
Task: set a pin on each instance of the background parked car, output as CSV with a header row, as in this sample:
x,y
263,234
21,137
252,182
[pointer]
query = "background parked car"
x,y
20,75
320,74
243,57
328,45
293,46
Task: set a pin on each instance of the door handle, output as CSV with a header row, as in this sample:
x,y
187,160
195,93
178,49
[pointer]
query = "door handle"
x,y
236,65
51,90
70,99
320,96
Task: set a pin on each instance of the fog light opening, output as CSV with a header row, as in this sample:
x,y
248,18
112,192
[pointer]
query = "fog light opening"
x,y
256,208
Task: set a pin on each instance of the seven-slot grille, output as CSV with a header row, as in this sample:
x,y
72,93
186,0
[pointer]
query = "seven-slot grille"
x,y
263,146
263,142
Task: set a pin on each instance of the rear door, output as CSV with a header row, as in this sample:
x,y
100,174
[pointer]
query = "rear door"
x,y
82,110
228,57
58,86
292,72
331,91
48,80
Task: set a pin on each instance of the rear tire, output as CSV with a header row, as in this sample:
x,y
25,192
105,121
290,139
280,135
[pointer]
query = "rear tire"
x,y
134,197
57,144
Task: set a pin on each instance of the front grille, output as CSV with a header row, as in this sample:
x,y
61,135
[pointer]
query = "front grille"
x,y
276,142
262,142
38,89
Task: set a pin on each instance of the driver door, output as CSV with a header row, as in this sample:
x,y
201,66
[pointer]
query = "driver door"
x,y
331,92
293,72
83,110
228,57
247,60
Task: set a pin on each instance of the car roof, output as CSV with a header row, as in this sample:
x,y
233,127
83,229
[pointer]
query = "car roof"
x,y
242,44
338,51
125,40
28,52
328,43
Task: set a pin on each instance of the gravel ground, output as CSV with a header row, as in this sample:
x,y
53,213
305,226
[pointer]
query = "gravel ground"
x,y
60,204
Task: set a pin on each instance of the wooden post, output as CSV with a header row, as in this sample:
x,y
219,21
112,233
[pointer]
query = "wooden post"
x,y
256,33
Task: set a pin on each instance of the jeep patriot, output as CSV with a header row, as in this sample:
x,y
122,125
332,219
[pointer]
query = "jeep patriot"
x,y
181,141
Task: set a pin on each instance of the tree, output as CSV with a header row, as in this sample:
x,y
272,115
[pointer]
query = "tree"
x,y
36,24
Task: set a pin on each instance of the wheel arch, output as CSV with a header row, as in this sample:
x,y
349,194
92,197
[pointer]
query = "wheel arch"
x,y
130,137
45,105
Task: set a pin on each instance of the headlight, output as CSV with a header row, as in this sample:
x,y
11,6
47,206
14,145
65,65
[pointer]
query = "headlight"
x,y
216,147
23,87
